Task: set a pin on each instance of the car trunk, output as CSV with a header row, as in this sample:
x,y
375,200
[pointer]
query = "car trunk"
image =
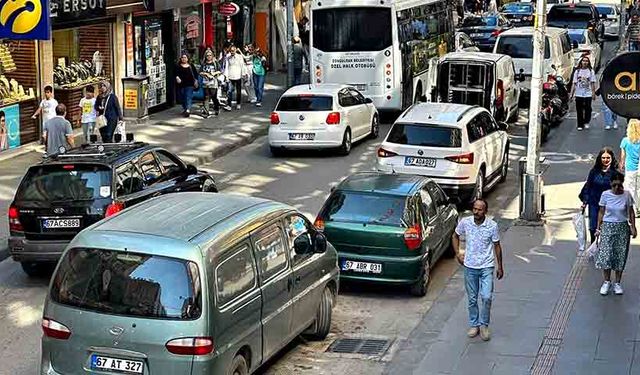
x,y
126,307
466,82
367,239
55,202
304,112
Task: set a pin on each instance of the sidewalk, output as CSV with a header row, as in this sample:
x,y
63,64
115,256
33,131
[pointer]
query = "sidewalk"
x,y
547,315
194,139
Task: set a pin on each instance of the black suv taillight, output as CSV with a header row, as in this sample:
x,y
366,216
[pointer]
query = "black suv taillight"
x,y
14,220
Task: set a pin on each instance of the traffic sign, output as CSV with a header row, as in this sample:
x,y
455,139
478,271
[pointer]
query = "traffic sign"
x,y
228,9
620,85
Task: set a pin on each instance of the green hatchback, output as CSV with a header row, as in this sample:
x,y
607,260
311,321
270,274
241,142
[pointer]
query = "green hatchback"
x,y
388,228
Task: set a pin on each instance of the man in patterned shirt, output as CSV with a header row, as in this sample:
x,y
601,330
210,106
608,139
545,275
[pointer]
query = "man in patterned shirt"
x,y
481,254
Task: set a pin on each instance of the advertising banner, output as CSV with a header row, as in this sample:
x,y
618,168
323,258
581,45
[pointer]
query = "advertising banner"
x,y
25,19
9,127
620,85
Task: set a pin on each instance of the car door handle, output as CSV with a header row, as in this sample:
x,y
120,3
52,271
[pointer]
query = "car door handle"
x,y
297,280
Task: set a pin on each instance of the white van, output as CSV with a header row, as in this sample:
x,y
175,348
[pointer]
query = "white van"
x,y
518,43
474,78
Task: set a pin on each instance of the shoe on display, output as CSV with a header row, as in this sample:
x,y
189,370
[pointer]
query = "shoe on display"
x,y
604,289
617,289
473,332
485,334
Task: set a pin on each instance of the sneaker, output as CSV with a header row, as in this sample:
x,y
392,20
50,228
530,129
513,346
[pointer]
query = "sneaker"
x,y
579,129
617,289
258,104
216,113
227,108
473,332
252,101
607,127
604,289
586,126
485,335
615,126
238,107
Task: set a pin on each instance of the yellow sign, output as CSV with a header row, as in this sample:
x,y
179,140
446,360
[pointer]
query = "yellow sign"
x,y
24,19
130,99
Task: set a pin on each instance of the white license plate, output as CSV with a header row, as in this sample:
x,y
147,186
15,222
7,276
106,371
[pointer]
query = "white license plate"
x,y
364,267
60,223
301,136
116,364
476,35
420,162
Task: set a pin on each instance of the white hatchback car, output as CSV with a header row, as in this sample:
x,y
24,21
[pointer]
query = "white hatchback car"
x,y
322,116
460,147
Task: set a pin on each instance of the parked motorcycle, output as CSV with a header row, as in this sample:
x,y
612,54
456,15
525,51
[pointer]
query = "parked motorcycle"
x,y
555,96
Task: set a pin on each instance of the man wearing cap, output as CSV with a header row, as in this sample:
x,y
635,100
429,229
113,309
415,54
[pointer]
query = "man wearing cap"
x,y
57,132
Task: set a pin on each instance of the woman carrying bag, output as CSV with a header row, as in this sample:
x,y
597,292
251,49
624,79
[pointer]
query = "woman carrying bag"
x,y
186,79
616,223
109,112
598,181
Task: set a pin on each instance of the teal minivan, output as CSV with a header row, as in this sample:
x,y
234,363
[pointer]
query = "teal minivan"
x,y
188,283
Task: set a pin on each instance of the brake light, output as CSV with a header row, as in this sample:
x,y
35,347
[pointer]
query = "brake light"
x,y
190,346
275,118
499,92
413,237
70,166
546,86
333,118
382,153
461,159
55,330
319,224
496,33
14,220
114,208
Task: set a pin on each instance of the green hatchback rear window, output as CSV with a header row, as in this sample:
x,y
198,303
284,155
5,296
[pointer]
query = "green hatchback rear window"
x,y
365,208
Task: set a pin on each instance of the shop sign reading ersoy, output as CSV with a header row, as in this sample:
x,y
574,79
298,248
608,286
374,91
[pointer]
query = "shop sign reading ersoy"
x,y
72,10
620,85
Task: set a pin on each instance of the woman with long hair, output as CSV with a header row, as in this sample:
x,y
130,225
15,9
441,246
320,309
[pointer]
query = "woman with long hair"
x,y
259,74
629,158
598,181
209,71
186,78
584,91
616,223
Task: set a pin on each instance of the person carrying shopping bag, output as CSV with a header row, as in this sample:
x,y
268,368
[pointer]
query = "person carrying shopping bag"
x,y
616,223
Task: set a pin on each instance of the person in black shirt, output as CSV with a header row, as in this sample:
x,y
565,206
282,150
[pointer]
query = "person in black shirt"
x,y
186,79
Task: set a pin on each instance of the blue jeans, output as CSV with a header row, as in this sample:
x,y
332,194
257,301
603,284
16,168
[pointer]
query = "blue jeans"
x,y
258,86
479,282
87,129
187,97
634,46
610,118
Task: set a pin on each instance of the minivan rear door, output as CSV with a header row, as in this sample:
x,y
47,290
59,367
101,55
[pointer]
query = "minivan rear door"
x,y
56,201
125,311
466,81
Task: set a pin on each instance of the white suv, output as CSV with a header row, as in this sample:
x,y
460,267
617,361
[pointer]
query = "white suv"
x,y
461,147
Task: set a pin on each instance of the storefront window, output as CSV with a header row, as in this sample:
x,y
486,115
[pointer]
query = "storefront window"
x,y
191,32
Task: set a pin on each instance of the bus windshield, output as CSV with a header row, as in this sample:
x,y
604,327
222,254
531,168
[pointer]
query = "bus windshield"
x,y
349,29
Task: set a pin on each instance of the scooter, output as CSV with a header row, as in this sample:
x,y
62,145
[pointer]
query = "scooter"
x,y
555,93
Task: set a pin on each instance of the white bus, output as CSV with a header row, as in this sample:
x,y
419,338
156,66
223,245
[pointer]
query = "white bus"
x,y
381,47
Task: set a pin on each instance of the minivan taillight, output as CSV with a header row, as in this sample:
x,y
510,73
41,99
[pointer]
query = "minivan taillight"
x,y
461,159
319,224
55,330
333,118
275,118
413,237
14,220
113,209
499,93
190,346
382,153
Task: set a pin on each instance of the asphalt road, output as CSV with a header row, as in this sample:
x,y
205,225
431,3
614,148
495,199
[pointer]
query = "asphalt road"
x,y
303,180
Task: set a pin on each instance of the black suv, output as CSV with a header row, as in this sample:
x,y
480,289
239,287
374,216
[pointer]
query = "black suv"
x,y
68,192
581,15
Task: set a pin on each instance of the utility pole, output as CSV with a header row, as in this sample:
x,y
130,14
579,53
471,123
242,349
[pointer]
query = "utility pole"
x,y
532,180
289,43
621,25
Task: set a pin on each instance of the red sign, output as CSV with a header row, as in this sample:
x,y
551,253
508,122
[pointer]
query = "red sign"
x,y
228,9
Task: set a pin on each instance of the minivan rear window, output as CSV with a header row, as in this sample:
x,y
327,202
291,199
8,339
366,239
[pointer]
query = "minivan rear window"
x,y
131,284
72,182
519,46
305,103
355,207
425,135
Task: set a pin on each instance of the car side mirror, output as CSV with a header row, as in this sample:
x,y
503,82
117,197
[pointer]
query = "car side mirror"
x,y
368,100
320,243
574,44
503,126
191,169
302,245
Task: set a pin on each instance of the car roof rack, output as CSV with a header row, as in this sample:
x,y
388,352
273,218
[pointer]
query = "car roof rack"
x,y
98,150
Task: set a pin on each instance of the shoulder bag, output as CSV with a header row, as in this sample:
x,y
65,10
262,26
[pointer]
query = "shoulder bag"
x,y
101,120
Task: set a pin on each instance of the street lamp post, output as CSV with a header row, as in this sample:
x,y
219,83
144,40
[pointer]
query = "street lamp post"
x,y
532,179
289,43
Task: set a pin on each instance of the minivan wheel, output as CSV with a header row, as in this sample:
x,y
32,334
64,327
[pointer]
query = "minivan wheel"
x,y
36,269
239,366
345,148
419,289
322,324
375,127
209,186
